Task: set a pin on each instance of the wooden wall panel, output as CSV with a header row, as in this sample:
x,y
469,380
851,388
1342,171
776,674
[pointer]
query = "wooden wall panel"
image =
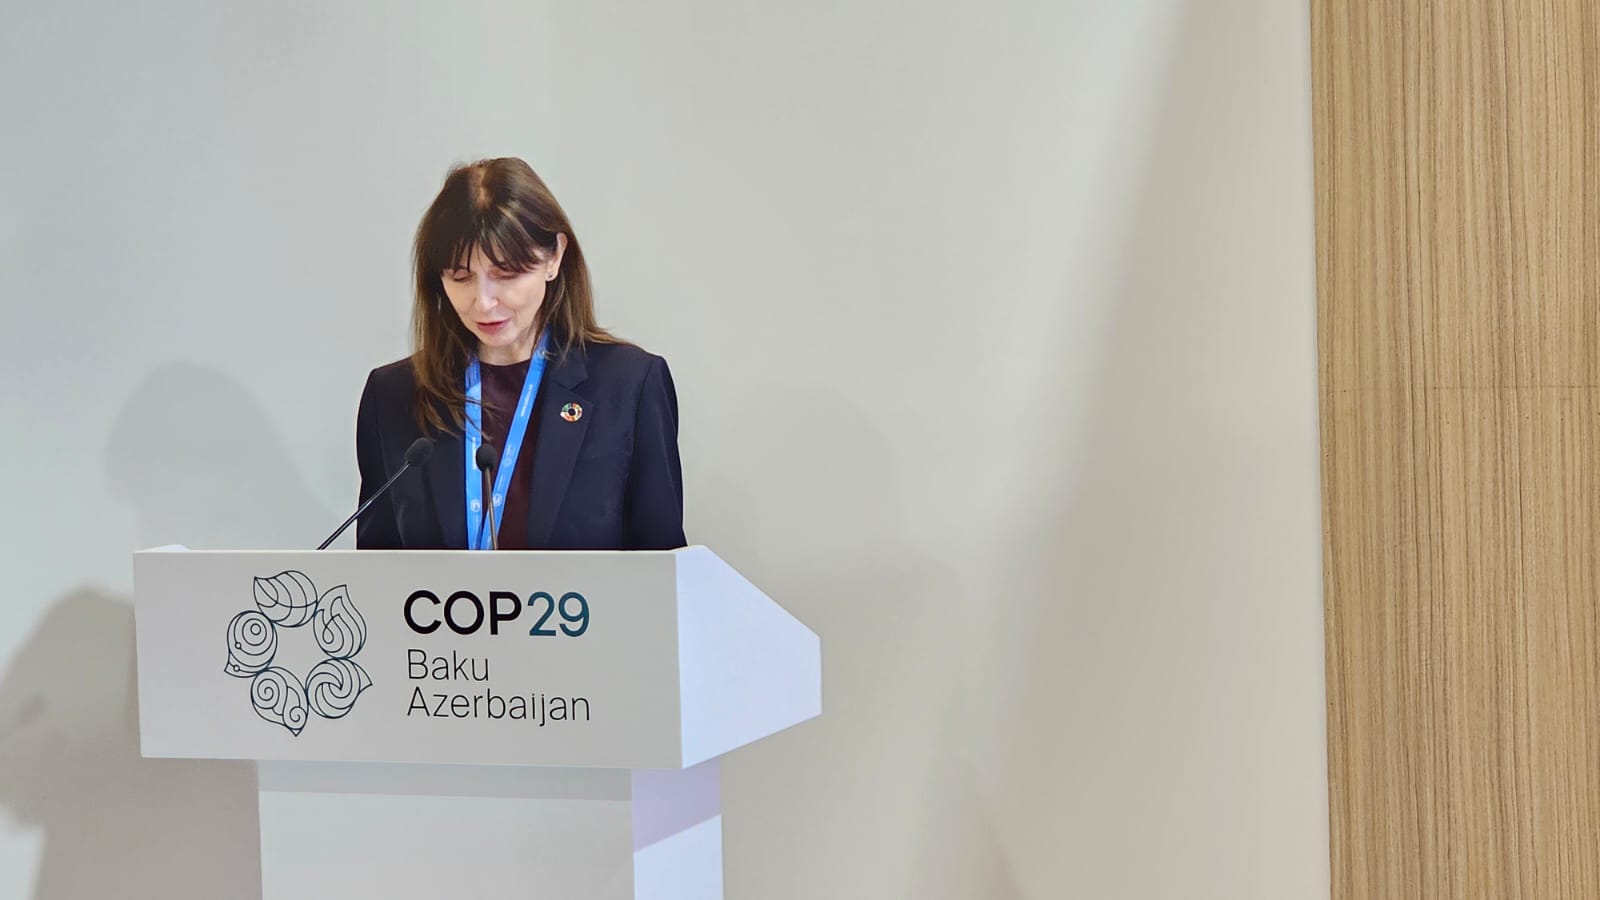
x,y
1458,276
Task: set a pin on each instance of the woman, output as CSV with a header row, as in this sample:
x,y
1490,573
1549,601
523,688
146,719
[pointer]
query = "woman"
x,y
505,345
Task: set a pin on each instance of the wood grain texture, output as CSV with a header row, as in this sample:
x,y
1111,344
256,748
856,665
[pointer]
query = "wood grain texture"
x,y
1458,278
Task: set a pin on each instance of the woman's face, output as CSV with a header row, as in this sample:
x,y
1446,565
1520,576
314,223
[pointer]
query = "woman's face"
x,y
500,307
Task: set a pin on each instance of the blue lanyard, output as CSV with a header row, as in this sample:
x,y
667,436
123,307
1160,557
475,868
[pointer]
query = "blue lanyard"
x,y
476,539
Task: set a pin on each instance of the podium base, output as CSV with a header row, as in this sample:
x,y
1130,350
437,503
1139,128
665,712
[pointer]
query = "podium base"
x,y
340,830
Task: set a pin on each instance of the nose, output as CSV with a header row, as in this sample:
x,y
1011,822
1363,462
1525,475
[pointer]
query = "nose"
x,y
488,294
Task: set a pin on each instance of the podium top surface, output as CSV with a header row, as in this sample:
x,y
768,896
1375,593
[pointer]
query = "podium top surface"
x,y
333,551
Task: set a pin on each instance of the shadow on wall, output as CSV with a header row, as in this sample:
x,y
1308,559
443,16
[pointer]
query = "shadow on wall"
x,y
115,824
196,457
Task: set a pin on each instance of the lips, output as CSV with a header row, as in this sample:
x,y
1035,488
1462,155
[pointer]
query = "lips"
x,y
494,326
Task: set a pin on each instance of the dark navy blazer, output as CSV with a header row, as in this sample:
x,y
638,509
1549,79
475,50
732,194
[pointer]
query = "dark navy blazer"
x,y
611,480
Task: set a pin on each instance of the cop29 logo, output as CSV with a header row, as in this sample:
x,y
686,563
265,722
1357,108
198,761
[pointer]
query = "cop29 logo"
x,y
289,600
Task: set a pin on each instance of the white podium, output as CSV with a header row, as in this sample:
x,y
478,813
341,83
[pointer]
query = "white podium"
x,y
454,724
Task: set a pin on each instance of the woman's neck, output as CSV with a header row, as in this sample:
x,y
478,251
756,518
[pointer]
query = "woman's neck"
x,y
521,351
503,356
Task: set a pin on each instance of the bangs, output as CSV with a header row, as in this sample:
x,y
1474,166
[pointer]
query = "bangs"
x,y
508,241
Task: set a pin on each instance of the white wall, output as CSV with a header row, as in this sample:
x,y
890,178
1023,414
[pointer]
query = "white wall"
x,y
993,327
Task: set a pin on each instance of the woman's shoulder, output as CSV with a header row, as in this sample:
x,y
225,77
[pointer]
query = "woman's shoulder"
x,y
397,377
621,361
389,392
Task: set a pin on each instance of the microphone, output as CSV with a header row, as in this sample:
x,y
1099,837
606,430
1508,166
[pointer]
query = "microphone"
x,y
416,455
488,459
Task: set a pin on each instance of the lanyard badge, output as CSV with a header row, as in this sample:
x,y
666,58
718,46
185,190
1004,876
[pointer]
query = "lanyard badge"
x,y
476,538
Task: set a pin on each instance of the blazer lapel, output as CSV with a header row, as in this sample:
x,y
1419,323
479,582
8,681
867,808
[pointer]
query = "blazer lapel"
x,y
446,472
555,454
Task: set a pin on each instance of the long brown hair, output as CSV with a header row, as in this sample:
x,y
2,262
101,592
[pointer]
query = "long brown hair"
x,y
502,207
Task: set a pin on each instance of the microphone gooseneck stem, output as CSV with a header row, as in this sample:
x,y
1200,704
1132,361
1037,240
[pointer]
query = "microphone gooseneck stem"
x,y
488,509
363,507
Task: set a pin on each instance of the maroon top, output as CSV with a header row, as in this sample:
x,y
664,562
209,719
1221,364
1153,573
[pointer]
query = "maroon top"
x,y
502,388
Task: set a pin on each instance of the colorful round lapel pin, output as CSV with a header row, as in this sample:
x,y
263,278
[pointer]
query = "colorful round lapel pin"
x,y
572,412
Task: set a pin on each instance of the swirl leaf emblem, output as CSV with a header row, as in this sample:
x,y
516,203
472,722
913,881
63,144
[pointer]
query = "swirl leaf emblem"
x,y
333,686
340,630
278,697
287,598
252,642
290,600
